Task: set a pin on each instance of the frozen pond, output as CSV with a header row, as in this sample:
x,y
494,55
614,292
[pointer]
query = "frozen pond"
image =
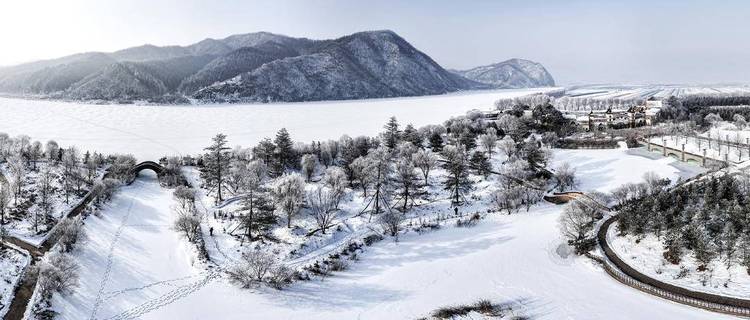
x,y
150,132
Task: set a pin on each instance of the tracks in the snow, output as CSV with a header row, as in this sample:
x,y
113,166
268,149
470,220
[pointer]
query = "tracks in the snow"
x,y
110,260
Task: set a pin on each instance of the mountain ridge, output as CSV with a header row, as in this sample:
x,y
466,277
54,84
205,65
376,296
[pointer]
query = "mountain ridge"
x,y
257,67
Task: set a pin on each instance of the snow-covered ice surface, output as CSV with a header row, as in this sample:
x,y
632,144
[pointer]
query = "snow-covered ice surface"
x,y
150,132
504,258
12,264
606,169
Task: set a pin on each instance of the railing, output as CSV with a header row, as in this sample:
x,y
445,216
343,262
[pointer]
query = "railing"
x,y
622,272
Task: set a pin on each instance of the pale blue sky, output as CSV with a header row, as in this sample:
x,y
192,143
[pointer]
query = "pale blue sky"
x,y
578,41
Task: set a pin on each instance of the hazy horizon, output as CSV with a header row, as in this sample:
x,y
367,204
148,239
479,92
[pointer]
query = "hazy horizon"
x,y
686,42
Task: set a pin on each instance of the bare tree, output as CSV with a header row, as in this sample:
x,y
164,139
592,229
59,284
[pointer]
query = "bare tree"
x,y
58,272
322,206
185,198
187,223
406,181
391,222
566,177
507,147
253,268
575,222
17,175
509,198
425,160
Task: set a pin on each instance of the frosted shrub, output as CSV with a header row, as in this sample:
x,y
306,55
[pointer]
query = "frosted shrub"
x,y
253,268
58,272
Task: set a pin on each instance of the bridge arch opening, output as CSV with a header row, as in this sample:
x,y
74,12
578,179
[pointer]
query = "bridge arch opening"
x,y
146,165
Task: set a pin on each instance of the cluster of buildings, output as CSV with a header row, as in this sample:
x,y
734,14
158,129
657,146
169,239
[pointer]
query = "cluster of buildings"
x,y
600,120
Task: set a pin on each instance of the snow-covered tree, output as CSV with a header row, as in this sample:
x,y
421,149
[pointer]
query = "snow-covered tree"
x,y
285,155
575,222
216,164
187,223
35,152
51,149
322,205
507,147
4,202
288,194
390,221
70,171
566,177
185,197
488,141
58,272
406,180
508,197
425,160
336,181
378,162
457,179
17,174
309,162
392,134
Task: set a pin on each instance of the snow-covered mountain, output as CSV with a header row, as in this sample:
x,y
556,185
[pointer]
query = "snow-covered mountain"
x,y
513,73
261,67
363,65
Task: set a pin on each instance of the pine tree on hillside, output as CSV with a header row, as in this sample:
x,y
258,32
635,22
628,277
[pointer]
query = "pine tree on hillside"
x,y
216,164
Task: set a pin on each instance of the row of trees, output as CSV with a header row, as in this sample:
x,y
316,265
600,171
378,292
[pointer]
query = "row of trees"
x,y
65,172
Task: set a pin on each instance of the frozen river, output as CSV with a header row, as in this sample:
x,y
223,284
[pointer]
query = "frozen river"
x,y
150,132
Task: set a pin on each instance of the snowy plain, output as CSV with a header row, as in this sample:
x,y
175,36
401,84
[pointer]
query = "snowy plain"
x,y
505,258
151,132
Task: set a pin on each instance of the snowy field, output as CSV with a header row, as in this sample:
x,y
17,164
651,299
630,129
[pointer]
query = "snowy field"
x,y
12,264
648,91
150,132
135,266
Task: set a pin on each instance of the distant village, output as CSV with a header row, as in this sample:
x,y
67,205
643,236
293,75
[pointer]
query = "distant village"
x,y
632,117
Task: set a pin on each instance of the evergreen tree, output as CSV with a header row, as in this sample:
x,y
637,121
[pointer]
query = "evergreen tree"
x,y
412,135
468,139
216,164
457,166
480,164
392,135
436,142
285,156
258,212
